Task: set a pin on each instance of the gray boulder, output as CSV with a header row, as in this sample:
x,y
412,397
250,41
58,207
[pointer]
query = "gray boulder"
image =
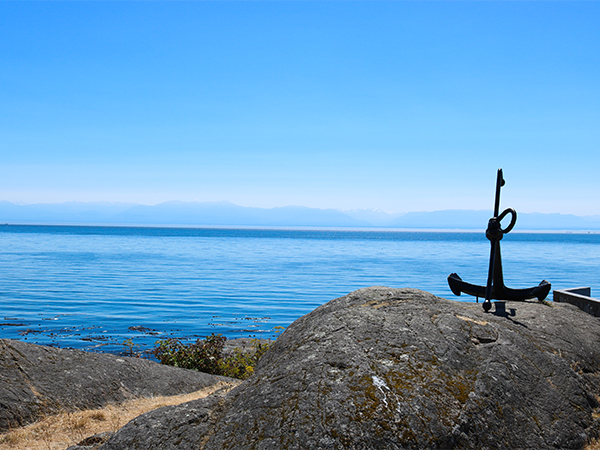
x,y
37,380
389,368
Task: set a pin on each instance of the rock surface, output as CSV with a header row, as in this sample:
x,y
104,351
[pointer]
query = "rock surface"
x,y
389,368
92,442
37,380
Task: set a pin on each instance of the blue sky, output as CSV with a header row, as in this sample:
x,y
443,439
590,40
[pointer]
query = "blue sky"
x,y
399,106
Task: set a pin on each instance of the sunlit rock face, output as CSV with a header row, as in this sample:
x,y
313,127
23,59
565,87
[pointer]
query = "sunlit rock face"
x,y
389,368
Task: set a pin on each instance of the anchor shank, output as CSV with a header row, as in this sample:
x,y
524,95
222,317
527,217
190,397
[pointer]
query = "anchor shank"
x,y
491,272
499,183
498,282
498,288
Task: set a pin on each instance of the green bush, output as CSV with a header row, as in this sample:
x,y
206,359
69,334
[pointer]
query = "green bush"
x,y
241,363
207,356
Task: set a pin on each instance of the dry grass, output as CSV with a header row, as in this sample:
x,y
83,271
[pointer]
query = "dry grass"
x,y
593,445
57,432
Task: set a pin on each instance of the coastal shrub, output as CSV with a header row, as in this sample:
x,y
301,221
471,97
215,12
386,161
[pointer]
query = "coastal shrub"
x,y
206,355
241,363
203,355
131,348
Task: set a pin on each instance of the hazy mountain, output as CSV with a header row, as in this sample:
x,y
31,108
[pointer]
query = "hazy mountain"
x,y
225,213
176,213
375,217
462,219
538,221
73,212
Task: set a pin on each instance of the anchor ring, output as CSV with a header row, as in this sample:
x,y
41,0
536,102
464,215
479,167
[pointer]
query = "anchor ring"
x,y
494,231
513,219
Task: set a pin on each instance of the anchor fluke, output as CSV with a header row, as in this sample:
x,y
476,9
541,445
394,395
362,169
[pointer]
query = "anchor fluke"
x,y
458,287
495,288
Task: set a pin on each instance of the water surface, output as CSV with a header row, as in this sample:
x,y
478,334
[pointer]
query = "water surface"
x,y
93,287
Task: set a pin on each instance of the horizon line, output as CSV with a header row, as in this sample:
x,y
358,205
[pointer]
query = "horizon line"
x,y
287,227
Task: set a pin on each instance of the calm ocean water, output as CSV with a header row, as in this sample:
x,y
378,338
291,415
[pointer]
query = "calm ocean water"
x,y
93,287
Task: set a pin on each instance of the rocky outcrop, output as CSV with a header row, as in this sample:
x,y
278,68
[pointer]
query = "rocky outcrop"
x,y
389,368
37,380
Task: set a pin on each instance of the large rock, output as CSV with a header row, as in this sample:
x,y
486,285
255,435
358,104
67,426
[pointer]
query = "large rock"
x,y
389,368
37,380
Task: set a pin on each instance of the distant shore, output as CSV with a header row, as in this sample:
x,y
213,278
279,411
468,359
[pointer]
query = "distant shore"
x,y
291,228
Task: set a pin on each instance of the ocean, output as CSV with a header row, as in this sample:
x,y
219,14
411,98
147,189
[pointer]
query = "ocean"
x,y
94,287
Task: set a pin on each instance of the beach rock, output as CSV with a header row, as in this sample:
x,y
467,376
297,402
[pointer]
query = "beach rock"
x,y
389,368
37,380
92,442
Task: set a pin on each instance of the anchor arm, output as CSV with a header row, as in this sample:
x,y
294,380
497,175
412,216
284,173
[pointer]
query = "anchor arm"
x,y
458,286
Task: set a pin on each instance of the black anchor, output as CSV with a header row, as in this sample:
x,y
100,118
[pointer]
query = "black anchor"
x,y
495,288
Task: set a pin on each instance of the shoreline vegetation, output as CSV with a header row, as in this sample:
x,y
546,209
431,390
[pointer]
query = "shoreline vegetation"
x,y
210,355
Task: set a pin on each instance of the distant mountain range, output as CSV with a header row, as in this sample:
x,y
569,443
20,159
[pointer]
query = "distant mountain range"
x,y
228,214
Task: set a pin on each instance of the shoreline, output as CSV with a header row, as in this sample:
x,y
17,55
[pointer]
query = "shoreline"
x,y
134,349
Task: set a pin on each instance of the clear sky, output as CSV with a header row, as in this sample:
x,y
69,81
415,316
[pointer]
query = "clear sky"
x,y
399,106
